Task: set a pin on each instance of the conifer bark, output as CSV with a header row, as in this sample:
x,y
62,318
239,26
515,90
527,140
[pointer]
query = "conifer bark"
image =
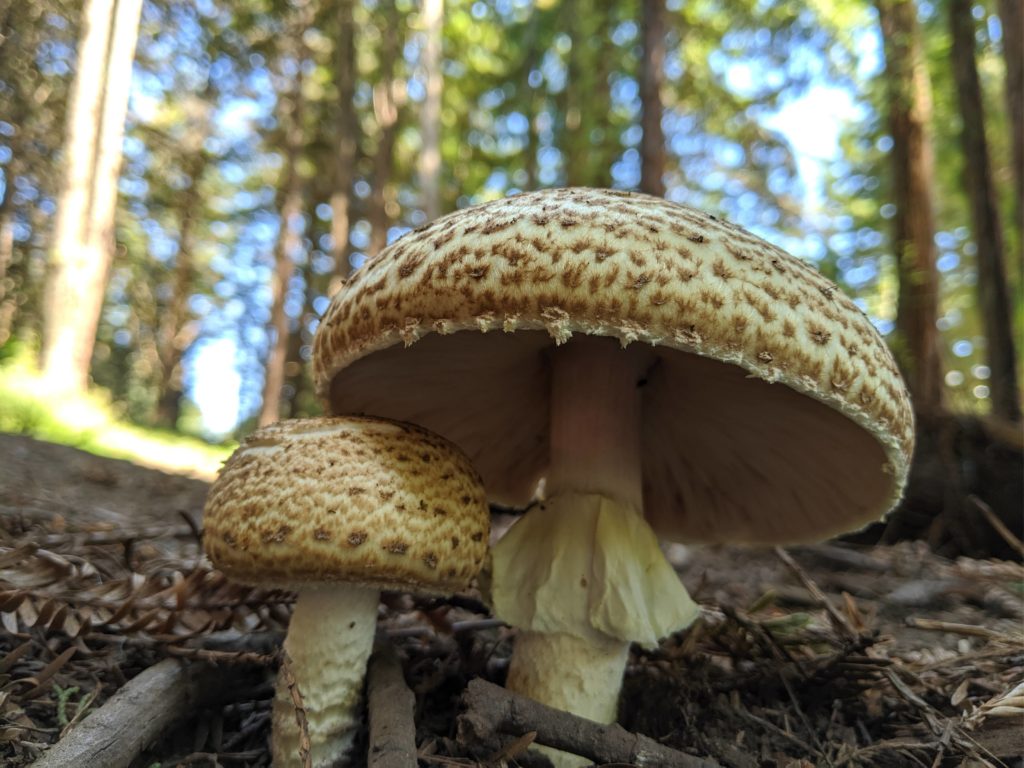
x,y
1011,14
175,332
652,76
68,342
291,108
348,141
993,296
7,303
385,109
913,176
430,115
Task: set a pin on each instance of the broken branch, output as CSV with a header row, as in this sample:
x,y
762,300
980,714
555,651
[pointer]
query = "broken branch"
x,y
491,709
391,711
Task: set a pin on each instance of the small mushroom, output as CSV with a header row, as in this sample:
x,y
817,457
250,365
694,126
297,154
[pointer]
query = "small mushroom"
x,y
338,510
667,373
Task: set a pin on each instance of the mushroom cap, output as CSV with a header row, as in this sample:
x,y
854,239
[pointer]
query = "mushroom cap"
x,y
774,413
380,503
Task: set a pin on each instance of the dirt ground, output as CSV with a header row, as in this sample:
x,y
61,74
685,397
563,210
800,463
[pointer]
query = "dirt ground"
x,y
829,655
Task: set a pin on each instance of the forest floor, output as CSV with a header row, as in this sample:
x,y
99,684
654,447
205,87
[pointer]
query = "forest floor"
x,y
825,655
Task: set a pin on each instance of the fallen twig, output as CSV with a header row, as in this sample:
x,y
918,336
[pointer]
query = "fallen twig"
x,y
391,708
134,717
492,710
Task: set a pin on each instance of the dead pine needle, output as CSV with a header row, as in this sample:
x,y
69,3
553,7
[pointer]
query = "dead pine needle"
x,y
998,525
839,621
933,625
305,748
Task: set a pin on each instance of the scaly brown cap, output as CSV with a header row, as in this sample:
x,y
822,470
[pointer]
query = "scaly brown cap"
x,y
380,503
775,412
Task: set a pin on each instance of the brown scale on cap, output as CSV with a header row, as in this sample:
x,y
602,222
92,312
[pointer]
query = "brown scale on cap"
x,y
327,500
547,265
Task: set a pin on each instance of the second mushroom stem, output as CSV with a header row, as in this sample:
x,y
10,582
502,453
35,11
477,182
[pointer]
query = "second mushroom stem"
x,y
329,642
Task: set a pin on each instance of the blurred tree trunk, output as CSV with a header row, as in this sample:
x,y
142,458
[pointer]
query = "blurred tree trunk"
x,y
291,108
298,383
571,142
993,297
1011,14
385,110
348,136
7,300
532,104
586,100
6,234
910,113
175,333
430,115
110,153
652,76
66,350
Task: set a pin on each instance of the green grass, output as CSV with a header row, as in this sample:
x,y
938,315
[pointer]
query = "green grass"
x,y
90,422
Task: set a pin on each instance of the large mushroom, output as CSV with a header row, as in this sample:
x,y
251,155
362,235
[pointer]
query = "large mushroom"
x,y
666,372
340,509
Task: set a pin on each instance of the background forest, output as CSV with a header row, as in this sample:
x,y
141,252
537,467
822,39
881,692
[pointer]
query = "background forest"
x,y
184,184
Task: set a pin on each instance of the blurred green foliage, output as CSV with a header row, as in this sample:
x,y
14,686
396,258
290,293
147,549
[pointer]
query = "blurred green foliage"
x,y
536,93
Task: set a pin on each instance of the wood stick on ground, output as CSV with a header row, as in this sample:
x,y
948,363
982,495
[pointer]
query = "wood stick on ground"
x,y
136,716
391,708
492,710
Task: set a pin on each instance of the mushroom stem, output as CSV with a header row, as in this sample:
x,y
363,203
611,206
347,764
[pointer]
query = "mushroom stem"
x,y
582,576
589,673
328,644
595,419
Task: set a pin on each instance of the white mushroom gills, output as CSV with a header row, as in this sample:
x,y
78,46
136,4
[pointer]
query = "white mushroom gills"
x,y
329,641
605,583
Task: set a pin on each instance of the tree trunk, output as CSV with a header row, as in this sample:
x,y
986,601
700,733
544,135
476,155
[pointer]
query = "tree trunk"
x,y
348,135
7,299
111,139
291,108
84,241
63,340
430,115
533,103
1011,14
586,101
6,234
385,109
567,102
297,379
910,111
598,110
993,297
652,76
174,334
